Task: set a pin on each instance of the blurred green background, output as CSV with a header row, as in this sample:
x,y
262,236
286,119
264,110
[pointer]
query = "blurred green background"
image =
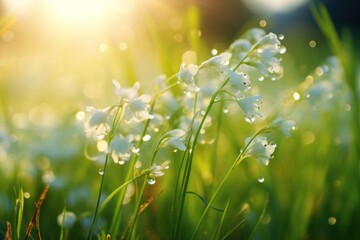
x,y
57,57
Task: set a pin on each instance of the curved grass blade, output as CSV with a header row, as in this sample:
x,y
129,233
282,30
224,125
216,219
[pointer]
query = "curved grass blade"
x,y
260,218
205,201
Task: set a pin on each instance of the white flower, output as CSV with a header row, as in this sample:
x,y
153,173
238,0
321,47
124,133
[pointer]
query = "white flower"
x,y
238,81
250,107
98,117
157,170
126,94
218,61
174,138
186,76
138,109
120,149
284,126
68,219
260,149
187,73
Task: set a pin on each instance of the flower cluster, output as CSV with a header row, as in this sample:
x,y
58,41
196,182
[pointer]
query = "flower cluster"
x,y
255,56
104,125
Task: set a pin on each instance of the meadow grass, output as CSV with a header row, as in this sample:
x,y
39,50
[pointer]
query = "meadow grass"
x,y
218,150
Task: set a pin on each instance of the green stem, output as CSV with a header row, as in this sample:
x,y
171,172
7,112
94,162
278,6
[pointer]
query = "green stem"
x,y
242,155
117,118
141,194
98,199
188,167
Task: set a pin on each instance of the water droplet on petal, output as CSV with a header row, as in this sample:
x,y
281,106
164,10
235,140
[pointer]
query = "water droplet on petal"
x,y
146,138
151,181
101,171
282,50
261,179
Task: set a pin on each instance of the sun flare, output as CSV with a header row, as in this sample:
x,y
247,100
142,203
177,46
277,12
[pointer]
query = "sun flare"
x,y
87,11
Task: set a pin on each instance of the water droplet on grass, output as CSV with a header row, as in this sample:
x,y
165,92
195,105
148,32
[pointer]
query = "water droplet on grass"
x,y
281,37
101,171
151,181
146,138
261,179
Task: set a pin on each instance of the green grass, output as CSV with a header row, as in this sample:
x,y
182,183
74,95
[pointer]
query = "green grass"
x,y
211,190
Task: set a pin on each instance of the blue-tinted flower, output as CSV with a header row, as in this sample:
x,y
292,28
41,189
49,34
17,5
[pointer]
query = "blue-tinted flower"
x,y
260,149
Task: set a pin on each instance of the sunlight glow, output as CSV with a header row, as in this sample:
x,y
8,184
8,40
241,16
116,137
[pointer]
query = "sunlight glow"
x,y
79,11
273,6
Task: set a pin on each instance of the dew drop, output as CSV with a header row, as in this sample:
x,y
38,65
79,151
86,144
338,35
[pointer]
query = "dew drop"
x,y
262,23
167,117
332,220
225,110
121,162
151,181
281,37
214,51
296,96
156,129
261,78
282,50
151,116
312,43
135,150
101,171
175,150
146,138
26,195
261,179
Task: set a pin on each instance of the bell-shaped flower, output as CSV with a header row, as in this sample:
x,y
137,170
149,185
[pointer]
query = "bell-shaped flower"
x,y
186,76
99,116
120,149
286,127
218,61
173,138
238,82
126,94
157,170
250,107
260,149
138,109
